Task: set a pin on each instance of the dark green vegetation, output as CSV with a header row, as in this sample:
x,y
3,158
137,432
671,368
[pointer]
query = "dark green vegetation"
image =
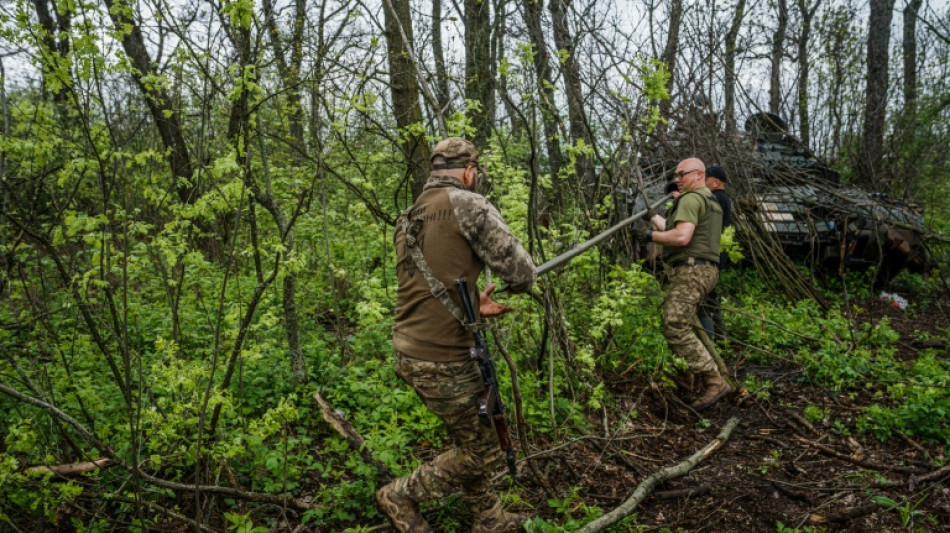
x,y
195,239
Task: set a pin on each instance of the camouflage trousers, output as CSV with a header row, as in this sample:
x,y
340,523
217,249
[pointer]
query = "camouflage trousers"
x,y
450,390
689,286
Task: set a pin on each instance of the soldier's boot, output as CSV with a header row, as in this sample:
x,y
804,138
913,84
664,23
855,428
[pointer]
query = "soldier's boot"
x,y
716,388
686,381
491,517
401,510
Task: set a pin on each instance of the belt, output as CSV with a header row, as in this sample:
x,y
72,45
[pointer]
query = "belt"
x,y
692,261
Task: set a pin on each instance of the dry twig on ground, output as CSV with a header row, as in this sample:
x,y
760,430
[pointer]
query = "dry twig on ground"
x,y
647,485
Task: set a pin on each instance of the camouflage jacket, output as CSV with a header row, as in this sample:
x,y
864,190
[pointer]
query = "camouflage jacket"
x,y
460,233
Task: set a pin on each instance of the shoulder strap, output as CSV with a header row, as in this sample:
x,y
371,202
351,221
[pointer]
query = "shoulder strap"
x,y
410,228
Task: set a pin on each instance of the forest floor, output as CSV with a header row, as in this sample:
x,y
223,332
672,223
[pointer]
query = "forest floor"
x,y
776,467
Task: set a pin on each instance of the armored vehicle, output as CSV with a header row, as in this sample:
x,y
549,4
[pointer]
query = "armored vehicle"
x,y
800,201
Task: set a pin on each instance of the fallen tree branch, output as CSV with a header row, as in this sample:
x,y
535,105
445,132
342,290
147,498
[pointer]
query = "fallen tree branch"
x,y
859,462
356,441
163,510
942,471
711,348
55,412
74,468
682,493
648,484
519,414
806,424
847,514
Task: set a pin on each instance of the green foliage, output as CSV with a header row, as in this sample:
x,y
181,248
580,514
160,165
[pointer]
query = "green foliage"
x,y
242,523
911,399
760,388
621,325
815,414
572,514
915,401
33,494
770,461
782,528
907,510
731,246
144,315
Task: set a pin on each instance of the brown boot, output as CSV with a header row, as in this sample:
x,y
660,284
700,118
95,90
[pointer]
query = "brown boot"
x,y
402,511
495,519
716,388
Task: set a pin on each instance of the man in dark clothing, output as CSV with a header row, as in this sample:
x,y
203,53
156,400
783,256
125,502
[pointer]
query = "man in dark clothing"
x,y
710,313
450,232
690,238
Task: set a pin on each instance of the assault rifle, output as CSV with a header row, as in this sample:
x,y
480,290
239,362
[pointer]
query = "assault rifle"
x,y
491,409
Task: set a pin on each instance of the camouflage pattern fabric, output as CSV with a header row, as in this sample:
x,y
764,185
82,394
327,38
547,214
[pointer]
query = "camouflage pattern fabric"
x,y
688,288
453,152
492,240
457,232
450,390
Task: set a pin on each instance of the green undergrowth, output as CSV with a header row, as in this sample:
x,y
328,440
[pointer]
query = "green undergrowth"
x,y
908,391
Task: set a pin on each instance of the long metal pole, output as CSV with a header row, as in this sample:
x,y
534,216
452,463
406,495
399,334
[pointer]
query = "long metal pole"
x,y
574,252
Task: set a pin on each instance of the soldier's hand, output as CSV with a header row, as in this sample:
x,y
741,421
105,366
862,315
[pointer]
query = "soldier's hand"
x,y
650,214
643,234
489,307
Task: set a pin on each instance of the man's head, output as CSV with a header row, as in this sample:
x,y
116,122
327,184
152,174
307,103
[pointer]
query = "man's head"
x,y
458,158
689,175
715,178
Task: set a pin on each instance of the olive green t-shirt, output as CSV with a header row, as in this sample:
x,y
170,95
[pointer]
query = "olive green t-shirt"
x,y
698,207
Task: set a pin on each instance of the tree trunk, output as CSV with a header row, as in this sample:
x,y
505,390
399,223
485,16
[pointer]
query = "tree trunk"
x,y
58,50
570,70
404,88
441,75
479,83
290,76
804,67
910,56
837,36
730,66
157,99
911,174
289,71
670,51
778,43
542,67
875,109
514,117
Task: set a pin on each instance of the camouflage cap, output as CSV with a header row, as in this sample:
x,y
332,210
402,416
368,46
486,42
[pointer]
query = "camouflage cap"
x,y
453,152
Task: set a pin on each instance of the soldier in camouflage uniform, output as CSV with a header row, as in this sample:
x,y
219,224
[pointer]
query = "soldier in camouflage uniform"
x,y
690,238
450,232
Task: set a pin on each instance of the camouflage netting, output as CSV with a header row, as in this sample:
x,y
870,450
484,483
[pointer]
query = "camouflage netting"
x,y
789,205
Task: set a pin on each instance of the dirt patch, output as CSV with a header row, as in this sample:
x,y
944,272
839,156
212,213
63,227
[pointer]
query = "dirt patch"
x,y
777,466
